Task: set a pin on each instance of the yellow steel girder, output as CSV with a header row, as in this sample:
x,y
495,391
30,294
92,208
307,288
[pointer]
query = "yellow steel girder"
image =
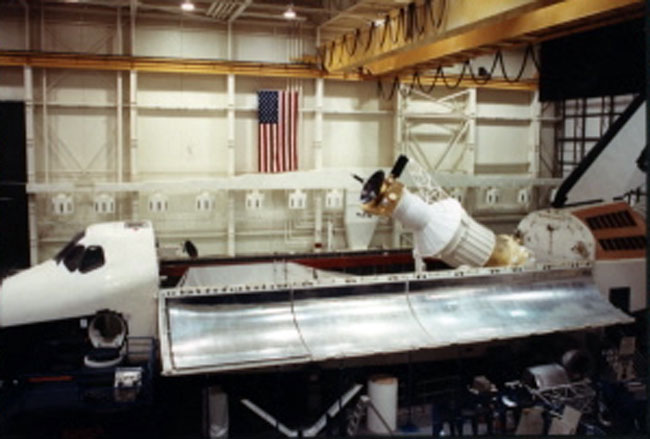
x,y
205,67
515,28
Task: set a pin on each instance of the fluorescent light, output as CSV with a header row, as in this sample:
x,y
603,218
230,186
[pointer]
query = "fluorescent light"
x,y
289,14
187,5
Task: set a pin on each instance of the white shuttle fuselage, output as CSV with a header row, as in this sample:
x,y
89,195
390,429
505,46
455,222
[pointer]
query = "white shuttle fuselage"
x,y
110,266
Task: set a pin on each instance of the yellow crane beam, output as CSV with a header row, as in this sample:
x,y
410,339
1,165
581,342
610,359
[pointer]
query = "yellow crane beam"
x,y
167,65
517,26
208,67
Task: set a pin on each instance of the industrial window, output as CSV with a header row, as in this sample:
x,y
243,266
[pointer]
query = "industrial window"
x,y
73,257
68,247
93,258
580,124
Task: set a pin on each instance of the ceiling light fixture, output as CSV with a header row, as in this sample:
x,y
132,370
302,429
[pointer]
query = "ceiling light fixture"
x,y
289,14
187,5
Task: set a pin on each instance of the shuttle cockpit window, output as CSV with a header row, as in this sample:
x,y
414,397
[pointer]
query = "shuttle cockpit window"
x,y
93,258
73,257
60,256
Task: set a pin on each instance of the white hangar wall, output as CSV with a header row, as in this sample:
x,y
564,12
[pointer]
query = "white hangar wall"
x,y
170,139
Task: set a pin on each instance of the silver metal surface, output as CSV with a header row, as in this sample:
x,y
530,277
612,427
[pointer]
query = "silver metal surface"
x,y
240,330
229,336
359,325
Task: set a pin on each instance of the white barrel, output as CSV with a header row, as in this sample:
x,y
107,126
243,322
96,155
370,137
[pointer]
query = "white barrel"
x,y
382,391
445,230
472,244
433,225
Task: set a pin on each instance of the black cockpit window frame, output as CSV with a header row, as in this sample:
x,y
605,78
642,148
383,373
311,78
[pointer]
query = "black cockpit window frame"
x,y
73,257
68,247
92,259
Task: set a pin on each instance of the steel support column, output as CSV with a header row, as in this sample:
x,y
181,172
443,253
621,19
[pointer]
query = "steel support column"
x,y
231,126
28,90
318,124
133,123
231,245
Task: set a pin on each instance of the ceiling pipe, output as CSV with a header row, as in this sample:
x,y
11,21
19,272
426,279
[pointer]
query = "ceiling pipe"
x,y
217,10
240,10
272,17
211,8
230,9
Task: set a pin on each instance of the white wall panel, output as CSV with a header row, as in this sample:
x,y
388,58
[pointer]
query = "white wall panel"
x,y
503,146
181,40
260,47
181,143
85,34
246,142
185,91
503,105
353,96
362,140
79,87
81,143
306,144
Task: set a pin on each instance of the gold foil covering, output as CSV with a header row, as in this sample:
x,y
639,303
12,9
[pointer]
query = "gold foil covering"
x,y
389,196
507,252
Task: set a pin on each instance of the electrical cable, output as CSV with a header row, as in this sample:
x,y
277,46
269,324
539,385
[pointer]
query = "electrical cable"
x,y
394,86
352,51
421,19
333,46
341,50
371,34
487,76
436,23
458,81
386,25
401,26
480,79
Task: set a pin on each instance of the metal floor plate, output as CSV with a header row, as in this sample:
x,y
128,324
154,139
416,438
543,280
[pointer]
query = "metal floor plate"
x,y
235,331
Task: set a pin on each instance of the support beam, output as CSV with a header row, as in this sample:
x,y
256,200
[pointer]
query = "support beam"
x,y
318,221
239,10
231,244
545,22
204,67
119,131
28,86
231,125
133,124
399,145
28,89
318,124
167,65
33,229
45,128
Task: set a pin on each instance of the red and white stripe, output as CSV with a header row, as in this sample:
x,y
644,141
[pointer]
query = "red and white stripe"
x,y
278,143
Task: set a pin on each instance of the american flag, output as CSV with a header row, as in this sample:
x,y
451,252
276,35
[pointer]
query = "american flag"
x,y
278,117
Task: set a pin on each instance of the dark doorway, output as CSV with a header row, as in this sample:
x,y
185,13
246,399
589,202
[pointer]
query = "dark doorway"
x,y
14,224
